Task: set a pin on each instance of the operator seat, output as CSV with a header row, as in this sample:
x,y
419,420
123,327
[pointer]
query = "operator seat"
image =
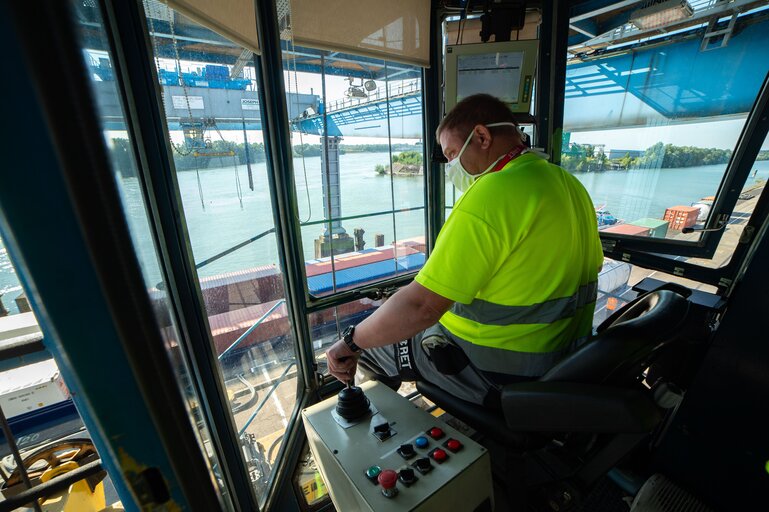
x,y
596,390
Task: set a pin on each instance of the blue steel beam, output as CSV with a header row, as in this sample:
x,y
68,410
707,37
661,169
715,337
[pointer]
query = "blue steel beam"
x,y
677,80
48,239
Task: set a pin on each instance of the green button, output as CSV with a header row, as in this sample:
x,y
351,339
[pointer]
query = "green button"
x,y
373,471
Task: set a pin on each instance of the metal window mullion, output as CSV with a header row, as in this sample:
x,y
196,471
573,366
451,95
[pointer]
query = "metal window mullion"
x,y
392,171
132,50
280,174
752,137
277,140
435,194
326,173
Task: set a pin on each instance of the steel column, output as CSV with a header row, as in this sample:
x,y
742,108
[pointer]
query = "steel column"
x,y
64,226
142,100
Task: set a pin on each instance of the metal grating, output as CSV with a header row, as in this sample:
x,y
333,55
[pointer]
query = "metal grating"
x,y
659,494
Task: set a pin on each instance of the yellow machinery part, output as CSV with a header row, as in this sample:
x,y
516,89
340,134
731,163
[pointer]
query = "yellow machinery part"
x,y
78,498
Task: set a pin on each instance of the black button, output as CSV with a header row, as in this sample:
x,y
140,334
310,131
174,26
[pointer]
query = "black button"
x,y
406,451
423,465
382,428
407,477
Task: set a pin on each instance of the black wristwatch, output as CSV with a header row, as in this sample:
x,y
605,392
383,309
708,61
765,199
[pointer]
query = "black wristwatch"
x,y
347,338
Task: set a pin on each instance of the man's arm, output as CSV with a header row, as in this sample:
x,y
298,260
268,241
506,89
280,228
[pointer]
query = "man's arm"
x,y
409,311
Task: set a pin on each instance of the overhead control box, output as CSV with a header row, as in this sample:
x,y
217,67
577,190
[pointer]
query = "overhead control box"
x,y
504,70
397,458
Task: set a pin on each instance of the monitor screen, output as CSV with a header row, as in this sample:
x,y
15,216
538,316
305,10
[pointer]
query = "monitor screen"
x,y
496,73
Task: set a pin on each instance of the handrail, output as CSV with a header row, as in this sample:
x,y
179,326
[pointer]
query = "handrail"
x,y
53,486
313,223
233,248
363,215
392,93
275,385
251,329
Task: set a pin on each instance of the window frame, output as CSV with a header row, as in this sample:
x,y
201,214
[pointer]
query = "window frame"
x,y
649,252
656,253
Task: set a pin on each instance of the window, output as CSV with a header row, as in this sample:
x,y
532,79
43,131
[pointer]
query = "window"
x,y
358,164
213,115
650,123
617,279
12,297
746,203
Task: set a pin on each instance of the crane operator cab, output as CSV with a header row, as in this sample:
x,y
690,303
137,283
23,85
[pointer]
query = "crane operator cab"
x,y
404,255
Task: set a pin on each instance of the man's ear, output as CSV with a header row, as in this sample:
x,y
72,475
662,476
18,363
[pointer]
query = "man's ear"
x,y
484,135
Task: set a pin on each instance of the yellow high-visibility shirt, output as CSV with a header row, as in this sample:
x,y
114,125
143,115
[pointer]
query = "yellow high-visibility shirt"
x,y
519,254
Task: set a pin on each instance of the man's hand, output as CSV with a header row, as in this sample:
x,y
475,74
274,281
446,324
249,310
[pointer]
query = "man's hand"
x,y
342,361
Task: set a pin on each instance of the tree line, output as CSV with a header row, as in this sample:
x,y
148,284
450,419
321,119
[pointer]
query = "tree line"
x,y
586,157
185,159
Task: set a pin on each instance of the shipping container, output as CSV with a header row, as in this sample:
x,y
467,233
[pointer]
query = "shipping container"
x,y
680,217
658,228
627,229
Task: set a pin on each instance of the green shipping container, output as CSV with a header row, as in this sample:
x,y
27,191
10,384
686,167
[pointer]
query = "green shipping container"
x,y
658,228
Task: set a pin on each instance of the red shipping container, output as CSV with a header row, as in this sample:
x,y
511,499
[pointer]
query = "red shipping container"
x,y
680,217
627,229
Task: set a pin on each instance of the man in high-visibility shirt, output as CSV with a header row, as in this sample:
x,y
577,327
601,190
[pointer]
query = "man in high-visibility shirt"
x,y
511,284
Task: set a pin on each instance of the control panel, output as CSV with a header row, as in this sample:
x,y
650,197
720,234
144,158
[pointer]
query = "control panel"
x,y
377,451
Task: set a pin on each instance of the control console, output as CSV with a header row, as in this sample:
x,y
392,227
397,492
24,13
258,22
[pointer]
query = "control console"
x,y
379,452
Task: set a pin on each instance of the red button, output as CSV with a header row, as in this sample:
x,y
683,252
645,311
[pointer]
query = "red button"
x,y
453,445
387,478
439,455
436,433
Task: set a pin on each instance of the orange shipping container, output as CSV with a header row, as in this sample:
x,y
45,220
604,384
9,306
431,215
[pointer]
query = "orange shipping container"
x,y
680,217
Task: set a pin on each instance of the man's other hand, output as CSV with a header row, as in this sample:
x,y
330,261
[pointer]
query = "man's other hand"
x,y
342,361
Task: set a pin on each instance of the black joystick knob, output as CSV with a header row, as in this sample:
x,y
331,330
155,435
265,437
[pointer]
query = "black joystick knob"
x,y
352,403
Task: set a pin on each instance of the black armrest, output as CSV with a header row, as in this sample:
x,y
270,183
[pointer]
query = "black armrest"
x,y
570,407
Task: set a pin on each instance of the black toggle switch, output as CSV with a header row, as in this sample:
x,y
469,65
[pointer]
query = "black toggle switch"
x,y
383,431
406,451
423,465
407,477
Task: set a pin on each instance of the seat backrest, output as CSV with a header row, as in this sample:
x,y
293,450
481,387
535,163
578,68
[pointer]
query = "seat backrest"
x,y
625,348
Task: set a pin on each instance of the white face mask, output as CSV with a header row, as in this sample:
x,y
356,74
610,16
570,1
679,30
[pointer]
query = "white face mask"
x,y
458,174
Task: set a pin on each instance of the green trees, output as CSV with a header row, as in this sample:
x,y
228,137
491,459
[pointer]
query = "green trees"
x,y
669,156
408,158
583,158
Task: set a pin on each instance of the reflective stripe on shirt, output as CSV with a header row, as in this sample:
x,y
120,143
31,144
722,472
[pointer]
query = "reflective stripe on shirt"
x,y
546,312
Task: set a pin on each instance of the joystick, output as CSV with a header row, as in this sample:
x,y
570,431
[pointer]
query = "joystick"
x,y
352,403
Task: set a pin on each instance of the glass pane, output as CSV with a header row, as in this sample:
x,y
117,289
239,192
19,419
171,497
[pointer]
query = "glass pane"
x,y
98,59
212,111
651,121
616,281
326,326
357,138
751,192
13,299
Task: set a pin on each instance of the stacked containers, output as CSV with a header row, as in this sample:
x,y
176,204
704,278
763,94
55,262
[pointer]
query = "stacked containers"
x,y
680,217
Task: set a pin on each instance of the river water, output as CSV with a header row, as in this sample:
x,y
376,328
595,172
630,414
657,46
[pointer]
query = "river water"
x,y
216,220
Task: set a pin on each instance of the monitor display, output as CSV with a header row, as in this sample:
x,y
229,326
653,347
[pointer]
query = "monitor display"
x,y
497,73
504,69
